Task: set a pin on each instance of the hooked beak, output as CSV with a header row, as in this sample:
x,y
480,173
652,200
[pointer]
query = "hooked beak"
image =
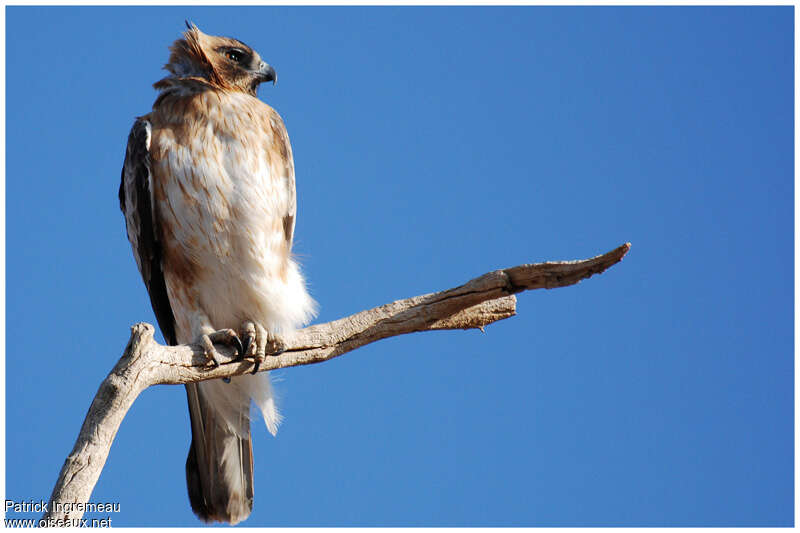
x,y
267,73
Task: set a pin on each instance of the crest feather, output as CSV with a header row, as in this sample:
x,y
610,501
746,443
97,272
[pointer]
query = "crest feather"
x,y
188,57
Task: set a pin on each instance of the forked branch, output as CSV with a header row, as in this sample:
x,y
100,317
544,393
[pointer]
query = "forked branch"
x,y
475,304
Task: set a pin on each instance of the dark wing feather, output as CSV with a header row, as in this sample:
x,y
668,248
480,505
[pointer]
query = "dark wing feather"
x,y
284,148
135,201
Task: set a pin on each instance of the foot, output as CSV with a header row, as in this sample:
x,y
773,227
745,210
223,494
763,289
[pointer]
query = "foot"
x,y
260,342
226,337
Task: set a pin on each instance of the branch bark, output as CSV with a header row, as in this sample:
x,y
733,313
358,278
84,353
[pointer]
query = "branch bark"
x,y
475,304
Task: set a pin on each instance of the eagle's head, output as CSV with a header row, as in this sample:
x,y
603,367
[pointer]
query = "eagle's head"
x,y
223,62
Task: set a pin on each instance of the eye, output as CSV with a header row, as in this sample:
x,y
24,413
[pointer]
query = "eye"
x,y
235,55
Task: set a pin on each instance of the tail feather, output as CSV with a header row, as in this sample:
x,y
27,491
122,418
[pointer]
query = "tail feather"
x,y
219,467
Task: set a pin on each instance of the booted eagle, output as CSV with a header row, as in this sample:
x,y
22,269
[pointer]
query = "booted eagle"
x,y
208,195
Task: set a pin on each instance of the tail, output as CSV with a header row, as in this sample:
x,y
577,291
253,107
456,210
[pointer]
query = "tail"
x,y
219,468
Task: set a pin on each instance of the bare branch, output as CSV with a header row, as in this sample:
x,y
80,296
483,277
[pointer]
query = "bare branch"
x,y
475,304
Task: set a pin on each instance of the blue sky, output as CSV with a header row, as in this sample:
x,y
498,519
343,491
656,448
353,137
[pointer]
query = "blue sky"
x,y
433,145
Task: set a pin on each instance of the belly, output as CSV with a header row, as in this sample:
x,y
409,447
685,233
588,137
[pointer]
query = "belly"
x,y
225,251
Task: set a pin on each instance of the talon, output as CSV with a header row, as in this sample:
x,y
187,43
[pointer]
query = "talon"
x,y
256,336
277,352
210,351
239,347
247,343
249,335
275,346
227,337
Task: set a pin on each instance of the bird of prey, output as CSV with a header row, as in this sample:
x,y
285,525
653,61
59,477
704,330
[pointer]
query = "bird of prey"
x,y
208,194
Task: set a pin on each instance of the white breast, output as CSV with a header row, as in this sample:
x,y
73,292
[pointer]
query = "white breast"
x,y
225,196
